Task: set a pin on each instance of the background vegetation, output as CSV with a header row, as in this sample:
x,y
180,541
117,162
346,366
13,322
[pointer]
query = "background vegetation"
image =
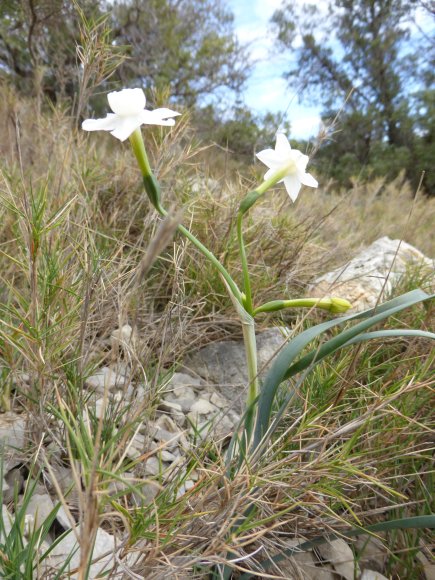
x,y
368,60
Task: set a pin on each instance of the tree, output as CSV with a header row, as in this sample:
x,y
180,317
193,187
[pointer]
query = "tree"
x,y
362,50
188,46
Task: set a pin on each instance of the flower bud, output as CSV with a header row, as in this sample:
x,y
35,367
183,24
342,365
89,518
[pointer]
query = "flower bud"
x,y
339,305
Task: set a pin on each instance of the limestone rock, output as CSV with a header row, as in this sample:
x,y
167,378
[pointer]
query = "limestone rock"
x,y
152,466
39,507
12,438
202,407
64,479
14,481
122,337
372,575
362,280
106,378
372,553
5,488
104,544
302,565
224,364
340,555
146,493
7,523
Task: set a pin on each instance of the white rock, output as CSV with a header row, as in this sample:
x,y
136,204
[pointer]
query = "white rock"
x,y
12,438
188,484
104,543
202,407
106,378
14,480
200,429
371,552
303,565
39,508
175,410
169,406
362,279
371,575
146,493
194,475
181,490
224,426
122,336
218,401
340,555
167,456
169,438
182,384
183,402
429,571
63,518
7,523
100,407
152,466
224,364
64,479
166,423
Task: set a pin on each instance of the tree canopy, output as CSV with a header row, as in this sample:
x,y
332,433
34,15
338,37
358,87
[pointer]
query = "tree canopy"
x,y
187,46
364,51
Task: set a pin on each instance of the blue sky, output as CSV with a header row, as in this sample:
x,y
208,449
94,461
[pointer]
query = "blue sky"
x,y
266,89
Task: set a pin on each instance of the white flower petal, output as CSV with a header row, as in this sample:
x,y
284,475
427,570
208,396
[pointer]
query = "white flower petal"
x,y
106,124
125,126
268,157
293,186
308,179
301,161
159,117
165,113
127,102
282,145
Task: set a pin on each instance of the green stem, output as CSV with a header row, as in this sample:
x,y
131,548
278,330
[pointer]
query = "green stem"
x,y
153,190
140,153
253,389
246,278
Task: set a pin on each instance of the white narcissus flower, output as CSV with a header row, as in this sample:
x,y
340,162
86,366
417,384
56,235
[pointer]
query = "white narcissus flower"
x,y
129,113
290,163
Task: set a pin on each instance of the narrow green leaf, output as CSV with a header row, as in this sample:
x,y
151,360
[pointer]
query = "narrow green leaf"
x,y
280,369
345,338
417,522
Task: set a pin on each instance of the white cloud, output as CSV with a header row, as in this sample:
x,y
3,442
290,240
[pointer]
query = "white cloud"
x,y
268,94
305,126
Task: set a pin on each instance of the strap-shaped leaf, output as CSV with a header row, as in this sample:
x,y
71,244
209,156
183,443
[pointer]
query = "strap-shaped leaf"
x,y
391,334
350,337
280,368
417,522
